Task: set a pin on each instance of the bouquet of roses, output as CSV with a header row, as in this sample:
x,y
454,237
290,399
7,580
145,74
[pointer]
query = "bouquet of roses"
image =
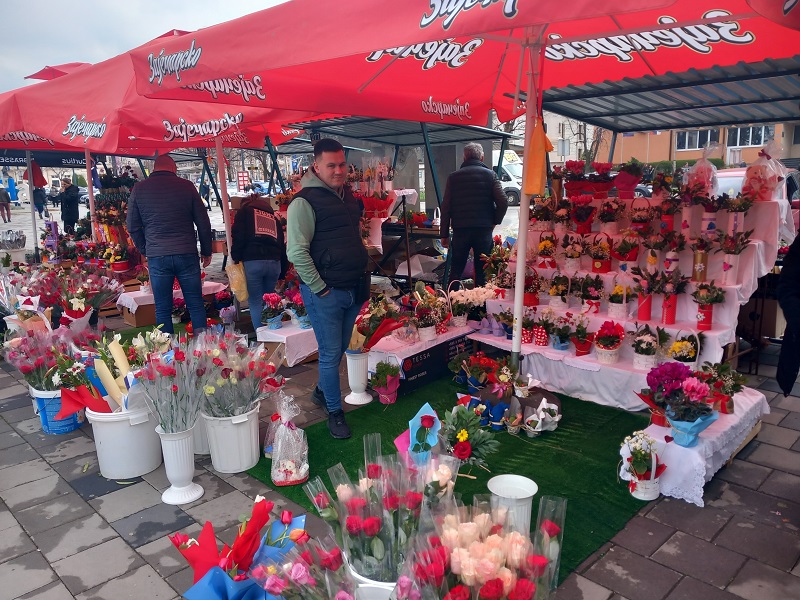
x,y
582,209
702,244
671,283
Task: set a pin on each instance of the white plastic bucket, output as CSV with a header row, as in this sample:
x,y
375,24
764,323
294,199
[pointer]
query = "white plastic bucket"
x,y
233,441
514,492
200,438
127,443
373,592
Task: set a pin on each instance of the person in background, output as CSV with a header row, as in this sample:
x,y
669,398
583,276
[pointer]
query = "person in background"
x,y
11,188
474,202
163,211
324,244
205,192
39,201
69,198
257,242
5,204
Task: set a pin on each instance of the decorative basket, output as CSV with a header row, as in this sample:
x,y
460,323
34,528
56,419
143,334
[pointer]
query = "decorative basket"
x,y
459,320
646,489
618,312
644,362
607,356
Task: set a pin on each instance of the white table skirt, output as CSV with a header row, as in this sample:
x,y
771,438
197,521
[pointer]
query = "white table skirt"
x,y
133,300
392,350
688,469
300,343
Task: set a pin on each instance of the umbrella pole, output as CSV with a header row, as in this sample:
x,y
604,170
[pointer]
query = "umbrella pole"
x,y
33,208
524,206
226,209
90,189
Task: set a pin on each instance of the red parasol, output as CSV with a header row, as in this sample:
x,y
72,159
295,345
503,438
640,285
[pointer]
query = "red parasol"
x,y
49,72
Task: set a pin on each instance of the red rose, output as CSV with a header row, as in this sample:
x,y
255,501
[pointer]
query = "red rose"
x,y
434,573
536,563
372,526
391,502
174,389
550,528
373,471
307,557
412,500
333,560
321,500
462,450
427,421
355,505
491,590
459,592
523,590
354,524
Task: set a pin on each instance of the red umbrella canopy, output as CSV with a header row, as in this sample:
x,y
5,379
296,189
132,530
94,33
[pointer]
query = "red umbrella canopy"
x,y
49,72
97,108
783,12
465,71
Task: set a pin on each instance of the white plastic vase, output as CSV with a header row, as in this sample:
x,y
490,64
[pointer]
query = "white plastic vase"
x,y
233,441
357,375
515,493
730,269
178,451
126,442
200,438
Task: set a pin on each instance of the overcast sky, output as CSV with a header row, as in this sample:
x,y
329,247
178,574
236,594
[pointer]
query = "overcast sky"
x,y
36,33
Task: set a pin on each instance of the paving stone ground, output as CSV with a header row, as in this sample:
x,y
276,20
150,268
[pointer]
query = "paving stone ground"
x,y
59,519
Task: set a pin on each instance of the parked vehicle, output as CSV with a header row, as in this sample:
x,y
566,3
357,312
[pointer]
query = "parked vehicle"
x,y
510,174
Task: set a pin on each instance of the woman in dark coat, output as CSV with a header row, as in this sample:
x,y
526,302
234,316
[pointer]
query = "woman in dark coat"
x,y
69,198
789,300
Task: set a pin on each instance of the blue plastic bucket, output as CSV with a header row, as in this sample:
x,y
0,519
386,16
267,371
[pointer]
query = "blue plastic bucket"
x,y
49,403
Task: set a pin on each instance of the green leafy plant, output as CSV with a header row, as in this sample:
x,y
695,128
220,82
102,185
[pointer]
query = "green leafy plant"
x,y
708,293
384,370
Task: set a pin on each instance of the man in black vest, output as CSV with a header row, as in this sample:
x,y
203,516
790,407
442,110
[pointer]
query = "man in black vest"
x,y
324,243
474,202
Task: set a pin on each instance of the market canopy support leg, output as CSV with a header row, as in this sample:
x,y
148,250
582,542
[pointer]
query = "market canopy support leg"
x,y
36,257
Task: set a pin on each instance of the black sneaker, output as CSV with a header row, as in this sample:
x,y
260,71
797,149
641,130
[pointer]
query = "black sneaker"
x,y
338,426
318,398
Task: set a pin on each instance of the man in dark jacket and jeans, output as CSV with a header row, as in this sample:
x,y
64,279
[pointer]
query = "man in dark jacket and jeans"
x,y
474,202
163,211
69,198
324,244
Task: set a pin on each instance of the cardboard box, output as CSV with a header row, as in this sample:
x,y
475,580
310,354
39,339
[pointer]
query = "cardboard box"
x,y
236,202
144,316
431,364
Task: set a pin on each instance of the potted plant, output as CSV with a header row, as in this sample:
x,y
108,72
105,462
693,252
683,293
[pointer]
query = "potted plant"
x,y
667,210
547,251
425,318
533,285
477,366
495,262
641,215
561,217
671,284
272,313
626,252
732,247
543,327
222,299
457,366
528,321
737,207
561,332
143,277
559,290
663,184
688,412
642,466
295,304
541,214
706,295
723,382
618,301
686,349
582,213
662,381
646,346
575,175
574,247
178,309
675,243
5,263
611,211
117,257
590,290
600,252
700,249
581,338
608,341
653,245
628,177
711,204
386,381
602,180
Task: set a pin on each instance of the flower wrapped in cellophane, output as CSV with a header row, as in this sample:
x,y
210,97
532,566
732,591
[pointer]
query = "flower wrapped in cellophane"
x,y
290,447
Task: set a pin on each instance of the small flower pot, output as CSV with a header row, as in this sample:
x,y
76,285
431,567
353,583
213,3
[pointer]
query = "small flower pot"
x,y
558,344
730,269
584,227
440,328
531,299
705,317
459,320
645,310
618,312
601,265
546,262
607,356
667,223
669,308
644,362
540,337
426,334
582,347
645,489
699,266
527,336
120,266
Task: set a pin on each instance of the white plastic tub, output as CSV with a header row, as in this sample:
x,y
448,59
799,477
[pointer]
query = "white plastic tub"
x,y
516,493
127,443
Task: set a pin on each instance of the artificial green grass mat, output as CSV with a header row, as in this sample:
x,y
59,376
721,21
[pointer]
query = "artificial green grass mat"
x,y
126,335
578,461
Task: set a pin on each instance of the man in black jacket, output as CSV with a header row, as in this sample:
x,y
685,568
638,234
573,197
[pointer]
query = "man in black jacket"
x,y
474,202
257,241
163,211
69,198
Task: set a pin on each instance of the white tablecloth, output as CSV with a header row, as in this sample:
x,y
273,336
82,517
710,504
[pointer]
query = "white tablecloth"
x,y
300,343
688,469
392,350
133,300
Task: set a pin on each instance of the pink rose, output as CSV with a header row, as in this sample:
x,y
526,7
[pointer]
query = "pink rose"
x,y
457,558
517,549
468,532
486,569
477,550
508,578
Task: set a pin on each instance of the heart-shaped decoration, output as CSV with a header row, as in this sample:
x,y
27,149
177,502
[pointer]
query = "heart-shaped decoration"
x,y
667,264
726,266
684,224
623,267
712,226
668,438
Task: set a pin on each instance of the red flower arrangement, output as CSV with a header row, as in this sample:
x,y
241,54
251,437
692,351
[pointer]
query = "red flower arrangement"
x,y
610,335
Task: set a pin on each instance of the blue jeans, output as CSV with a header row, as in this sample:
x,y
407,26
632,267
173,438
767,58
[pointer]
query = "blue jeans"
x,y
332,318
163,271
261,276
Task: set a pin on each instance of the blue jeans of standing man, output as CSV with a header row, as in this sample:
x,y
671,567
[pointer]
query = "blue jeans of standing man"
x,y
163,271
261,276
332,318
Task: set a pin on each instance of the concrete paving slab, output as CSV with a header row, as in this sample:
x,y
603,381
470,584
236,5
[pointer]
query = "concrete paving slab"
x,y
72,448
54,591
780,436
576,587
162,555
24,574
151,523
36,492
643,536
75,468
14,403
15,389
126,501
182,580
249,486
791,420
4,426
704,522
213,487
787,402
144,582
17,454
6,518
633,576
95,485
744,473
224,511
97,565
775,415
776,547
158,478
775,458
699,559
14,543
22,413
757,581
52,513
9,439
71,538
39,439
782,485
753,505
692,589
15,475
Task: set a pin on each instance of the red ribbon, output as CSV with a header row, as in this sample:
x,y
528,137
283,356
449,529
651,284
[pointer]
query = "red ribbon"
x,y
593,304
500,293
764,154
